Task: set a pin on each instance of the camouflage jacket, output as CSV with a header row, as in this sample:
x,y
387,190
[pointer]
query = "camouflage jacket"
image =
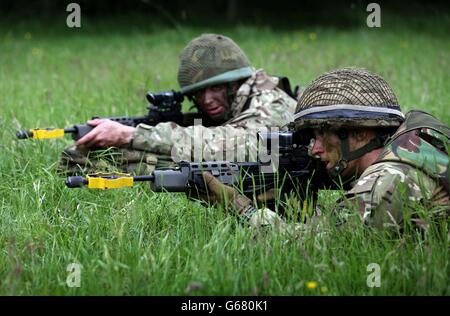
x,y
408,180
259,105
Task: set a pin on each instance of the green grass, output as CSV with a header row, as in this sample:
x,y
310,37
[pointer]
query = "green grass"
x,y
136,242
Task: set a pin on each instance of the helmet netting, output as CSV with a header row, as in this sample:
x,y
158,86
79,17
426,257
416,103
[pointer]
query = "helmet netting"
x,y
354,86
207,56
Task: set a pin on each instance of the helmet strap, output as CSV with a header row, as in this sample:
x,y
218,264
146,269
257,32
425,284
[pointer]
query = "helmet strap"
x,y
348,155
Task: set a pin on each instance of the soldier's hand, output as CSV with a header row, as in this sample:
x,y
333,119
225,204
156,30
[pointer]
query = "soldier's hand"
x,y
106,133
267,196
228,196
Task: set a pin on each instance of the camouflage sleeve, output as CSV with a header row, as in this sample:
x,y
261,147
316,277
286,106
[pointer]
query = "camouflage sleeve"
x,y
269,220
197,143
265,217
388,193
236,140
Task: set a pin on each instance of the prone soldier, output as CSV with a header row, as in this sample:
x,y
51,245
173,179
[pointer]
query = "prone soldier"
x,y
237,100
397,163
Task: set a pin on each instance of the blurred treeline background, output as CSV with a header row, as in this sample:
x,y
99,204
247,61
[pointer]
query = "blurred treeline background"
x,y
299,39
342,13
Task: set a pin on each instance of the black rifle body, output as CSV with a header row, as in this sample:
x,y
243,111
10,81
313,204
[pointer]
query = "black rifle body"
x,y
163,107
294,171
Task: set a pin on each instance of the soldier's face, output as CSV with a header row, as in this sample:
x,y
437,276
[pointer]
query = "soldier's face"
x,y
327,147
213,100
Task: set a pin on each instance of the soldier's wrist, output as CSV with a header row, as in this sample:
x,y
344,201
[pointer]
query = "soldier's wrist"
x,y
130,144
246,214
132,138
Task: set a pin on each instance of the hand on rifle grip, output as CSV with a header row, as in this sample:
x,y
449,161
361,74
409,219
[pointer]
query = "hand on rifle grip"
x,y
218,192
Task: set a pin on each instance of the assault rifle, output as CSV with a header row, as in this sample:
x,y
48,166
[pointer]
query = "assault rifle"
x,y
295,171
163,107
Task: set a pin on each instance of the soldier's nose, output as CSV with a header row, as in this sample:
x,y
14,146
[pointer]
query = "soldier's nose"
x,y
208,97
317,147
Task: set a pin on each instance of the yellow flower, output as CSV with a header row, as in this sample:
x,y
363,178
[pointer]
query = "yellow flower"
x,y
311,285
27,36
36,52
323,289
312,36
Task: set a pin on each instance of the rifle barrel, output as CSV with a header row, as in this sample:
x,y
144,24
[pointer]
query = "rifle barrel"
x,y
76,181
70,130
150,178
106,181
24,134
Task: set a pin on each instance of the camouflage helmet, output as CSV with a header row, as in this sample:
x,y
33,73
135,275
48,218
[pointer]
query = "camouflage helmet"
x,y
348,98
211,59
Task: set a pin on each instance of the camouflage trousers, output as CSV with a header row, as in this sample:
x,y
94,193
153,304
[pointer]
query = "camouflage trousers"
x,y
77,160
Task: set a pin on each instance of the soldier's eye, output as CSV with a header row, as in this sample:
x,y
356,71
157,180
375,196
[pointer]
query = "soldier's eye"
x,y
217,87
199,94
319,133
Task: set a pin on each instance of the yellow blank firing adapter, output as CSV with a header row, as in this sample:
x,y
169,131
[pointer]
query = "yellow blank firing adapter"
x,y
109,181
101,181
47,133
40,133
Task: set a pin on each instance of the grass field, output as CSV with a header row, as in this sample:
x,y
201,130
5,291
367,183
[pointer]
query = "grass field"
x,y
136,242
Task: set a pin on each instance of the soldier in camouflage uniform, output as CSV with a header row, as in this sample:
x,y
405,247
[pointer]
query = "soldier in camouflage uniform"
x,y
400,161
216,75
